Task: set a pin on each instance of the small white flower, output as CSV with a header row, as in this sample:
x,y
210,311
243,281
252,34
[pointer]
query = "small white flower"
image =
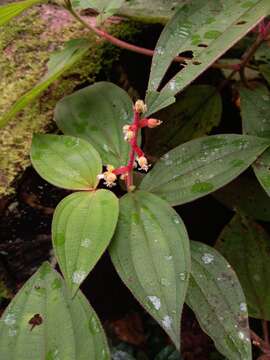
x,y
140,107
143,163
128,132
108,176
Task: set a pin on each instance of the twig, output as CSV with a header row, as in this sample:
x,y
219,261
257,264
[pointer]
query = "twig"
x,y
259,342
265,331
248,56
137,49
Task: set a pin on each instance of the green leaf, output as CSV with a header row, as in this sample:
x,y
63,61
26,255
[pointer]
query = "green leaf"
x,y
99,5
194,114
98,113
247,195
169,353
216,297
265,71
154,11
255,108
205,28
150,251
83,225
66,161
201,166
9,11
106,8
59,62
69,329
263,53
246,245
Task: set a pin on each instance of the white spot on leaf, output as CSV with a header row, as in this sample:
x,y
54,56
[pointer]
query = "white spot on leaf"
x,y
182,276
172,85
86,243
10,319
106,147
207,258
243,307
159,50
241,335
78,277
165,282
167,322
155,301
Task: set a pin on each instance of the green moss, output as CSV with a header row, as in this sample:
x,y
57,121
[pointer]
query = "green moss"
x,y
25,44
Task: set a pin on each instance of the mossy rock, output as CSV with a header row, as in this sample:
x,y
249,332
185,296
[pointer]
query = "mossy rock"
x,y
25,44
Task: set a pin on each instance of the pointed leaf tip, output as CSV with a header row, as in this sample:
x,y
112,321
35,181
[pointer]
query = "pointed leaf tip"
x,y
150,251
83,225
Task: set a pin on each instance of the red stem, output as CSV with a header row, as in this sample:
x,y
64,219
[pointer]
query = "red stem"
x,y
134,146
265,331
138,49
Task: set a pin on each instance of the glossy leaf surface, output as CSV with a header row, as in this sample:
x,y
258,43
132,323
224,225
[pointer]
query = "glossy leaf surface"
x,y
98,113
154,11
245,194
150,251
9,11
206,29
42,322
201,166
59,62
66,161
194,114
83,225
246,245
255,109
216,297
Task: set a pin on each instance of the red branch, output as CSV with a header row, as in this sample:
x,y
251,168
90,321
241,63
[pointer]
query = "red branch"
x,y
134,149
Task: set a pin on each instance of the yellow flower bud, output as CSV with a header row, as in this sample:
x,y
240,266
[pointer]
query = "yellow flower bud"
x,y
152,123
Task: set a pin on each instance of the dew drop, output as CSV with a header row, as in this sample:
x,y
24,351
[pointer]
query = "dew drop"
x,y
78,277
155,301
241,335
165,282
86,243
182,276
93,325
106,147
167,322
10,319
172,85
207,258
243,307
159,50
